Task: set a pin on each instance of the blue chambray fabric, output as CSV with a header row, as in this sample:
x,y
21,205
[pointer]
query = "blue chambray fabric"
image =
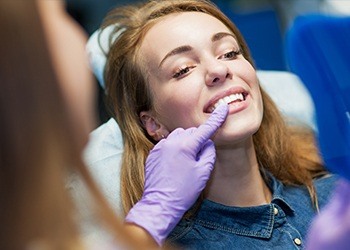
x,y
216,226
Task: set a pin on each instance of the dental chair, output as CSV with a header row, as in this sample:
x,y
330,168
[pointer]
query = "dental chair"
x,y
318,51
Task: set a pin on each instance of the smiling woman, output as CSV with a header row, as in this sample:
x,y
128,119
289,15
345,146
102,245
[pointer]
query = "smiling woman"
x,y
193,80
173,64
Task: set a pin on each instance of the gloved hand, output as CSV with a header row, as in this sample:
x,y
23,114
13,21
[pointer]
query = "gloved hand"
x,y
331,228
177,170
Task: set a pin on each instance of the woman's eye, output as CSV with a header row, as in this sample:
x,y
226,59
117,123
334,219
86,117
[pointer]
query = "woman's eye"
x,y
182,71
230,55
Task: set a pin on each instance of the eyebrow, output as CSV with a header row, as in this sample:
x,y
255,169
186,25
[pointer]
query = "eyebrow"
x,y
218,36
182,49
176,51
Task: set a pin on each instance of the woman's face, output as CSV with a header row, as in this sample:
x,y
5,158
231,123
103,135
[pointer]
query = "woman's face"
x,y
194,63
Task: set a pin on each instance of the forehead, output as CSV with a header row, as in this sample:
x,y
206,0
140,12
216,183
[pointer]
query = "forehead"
x,y
178,29
180,21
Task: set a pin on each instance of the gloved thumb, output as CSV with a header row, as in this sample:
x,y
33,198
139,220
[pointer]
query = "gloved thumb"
x,y
207,129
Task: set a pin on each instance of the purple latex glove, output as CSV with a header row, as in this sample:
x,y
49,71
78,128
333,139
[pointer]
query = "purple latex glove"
x,y
177,170
331,228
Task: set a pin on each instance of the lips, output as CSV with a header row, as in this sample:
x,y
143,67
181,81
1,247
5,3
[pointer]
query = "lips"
x,y
227,97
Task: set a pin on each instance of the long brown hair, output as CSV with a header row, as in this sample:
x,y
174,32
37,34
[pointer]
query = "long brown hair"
x,y
289,154
39,148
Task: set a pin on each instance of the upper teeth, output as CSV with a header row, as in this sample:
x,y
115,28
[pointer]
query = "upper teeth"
x,y
227,100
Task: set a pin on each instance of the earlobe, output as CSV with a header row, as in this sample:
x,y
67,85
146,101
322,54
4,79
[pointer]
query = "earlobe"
x,y
154,129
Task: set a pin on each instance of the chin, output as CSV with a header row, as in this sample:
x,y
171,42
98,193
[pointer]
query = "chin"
x,y
236,132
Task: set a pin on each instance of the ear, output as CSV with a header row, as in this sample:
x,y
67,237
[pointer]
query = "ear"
x,y
154,129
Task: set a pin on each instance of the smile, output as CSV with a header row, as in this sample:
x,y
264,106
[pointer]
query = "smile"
x,y
237,97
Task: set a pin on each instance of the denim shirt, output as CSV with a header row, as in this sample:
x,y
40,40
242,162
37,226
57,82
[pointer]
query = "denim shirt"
x,y
282,224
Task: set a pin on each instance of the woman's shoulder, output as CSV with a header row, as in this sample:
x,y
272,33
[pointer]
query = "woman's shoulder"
x,y
327,179
324,187
297,196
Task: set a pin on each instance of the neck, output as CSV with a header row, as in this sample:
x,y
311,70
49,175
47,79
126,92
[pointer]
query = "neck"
x,y
236,179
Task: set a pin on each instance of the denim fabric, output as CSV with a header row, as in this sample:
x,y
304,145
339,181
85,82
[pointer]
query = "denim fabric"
x,y
216,226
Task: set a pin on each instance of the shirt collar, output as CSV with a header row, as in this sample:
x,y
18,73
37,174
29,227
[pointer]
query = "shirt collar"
x,y
278,197
255,221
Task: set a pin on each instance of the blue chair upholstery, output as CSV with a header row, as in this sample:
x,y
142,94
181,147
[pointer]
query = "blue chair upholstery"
x,y
318,51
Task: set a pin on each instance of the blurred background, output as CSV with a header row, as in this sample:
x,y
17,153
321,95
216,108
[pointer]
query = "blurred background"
x,y
263,23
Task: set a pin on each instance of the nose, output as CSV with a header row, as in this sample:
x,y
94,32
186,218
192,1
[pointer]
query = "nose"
x,y
218,71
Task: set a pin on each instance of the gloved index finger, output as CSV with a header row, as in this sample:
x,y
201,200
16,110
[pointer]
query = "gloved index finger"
x,y
207,129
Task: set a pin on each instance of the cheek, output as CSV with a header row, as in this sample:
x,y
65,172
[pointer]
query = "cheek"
x,y
178,107
248,73
249,76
